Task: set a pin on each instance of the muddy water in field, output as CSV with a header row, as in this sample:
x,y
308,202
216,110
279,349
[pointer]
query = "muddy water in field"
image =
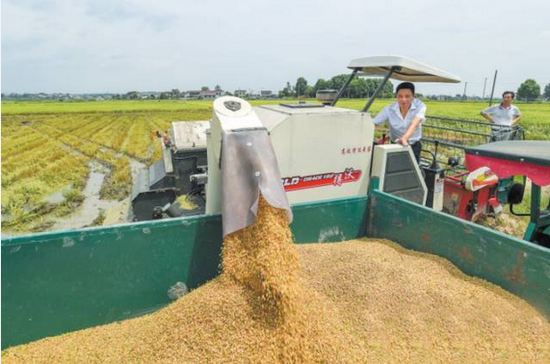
x,y
120,213
56,197
115,212
92,205
136,166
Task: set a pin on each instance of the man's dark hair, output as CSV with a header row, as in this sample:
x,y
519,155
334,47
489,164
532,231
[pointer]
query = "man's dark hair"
x,y
405,86
509,92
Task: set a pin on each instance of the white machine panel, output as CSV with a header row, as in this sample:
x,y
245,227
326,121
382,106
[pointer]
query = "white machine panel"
x,y
190,134
323,152
230,113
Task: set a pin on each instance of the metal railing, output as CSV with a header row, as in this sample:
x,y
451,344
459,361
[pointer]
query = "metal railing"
x,y
455,134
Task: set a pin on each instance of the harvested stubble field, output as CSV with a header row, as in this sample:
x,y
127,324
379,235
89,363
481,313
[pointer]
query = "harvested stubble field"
x,y
361,301
46,146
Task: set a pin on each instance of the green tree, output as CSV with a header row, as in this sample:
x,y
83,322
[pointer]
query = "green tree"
x,y
547,92
175,93
287,91
132,95
337,82
163,96
310,91
373,83
321,84
301,87
387,91
205,88
357,88
529,90
218,88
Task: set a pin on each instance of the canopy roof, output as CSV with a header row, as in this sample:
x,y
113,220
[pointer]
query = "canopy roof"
x,y
526,151
407,69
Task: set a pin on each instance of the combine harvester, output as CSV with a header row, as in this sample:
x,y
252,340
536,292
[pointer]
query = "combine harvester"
x,y
340,185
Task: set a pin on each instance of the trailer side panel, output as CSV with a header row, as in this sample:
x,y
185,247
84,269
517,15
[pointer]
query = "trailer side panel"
x,y
58,282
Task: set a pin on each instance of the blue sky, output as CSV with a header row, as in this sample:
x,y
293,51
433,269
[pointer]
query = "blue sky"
x,y
118,46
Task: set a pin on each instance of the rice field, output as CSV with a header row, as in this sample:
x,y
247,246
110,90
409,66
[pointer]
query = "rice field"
x,y
47,147
47,153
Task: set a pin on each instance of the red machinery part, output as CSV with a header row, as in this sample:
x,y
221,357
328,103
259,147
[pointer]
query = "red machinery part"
x,y
503,168
466,204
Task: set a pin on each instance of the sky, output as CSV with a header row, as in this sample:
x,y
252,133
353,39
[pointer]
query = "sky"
x,y
93,46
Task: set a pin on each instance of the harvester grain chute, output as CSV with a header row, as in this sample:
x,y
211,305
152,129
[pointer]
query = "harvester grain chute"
x,y
340,186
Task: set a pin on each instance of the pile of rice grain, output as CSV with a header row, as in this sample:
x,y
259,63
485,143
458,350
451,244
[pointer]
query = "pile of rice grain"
x,y
360,301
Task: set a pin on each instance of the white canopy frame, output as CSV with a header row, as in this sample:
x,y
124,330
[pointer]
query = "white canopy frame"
x,y
396,67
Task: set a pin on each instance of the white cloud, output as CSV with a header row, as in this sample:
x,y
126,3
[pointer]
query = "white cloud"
x,y
122,45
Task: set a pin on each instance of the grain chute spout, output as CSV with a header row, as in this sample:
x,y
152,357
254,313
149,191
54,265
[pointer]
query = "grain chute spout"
x,y
248,164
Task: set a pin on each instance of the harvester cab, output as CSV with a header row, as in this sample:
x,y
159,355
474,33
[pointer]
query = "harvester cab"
x,y
323,151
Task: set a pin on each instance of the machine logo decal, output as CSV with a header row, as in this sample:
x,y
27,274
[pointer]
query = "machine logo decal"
x,y
360,149
321,179
233,105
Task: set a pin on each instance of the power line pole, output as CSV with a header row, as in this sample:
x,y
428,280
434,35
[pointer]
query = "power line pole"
x,y
493,90
484,86
464,93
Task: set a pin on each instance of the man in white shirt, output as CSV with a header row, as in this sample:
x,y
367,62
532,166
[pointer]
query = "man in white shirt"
x,y
504,114
405,118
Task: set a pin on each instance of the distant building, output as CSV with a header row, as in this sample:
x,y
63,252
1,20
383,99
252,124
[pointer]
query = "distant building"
x,y
210,94
266,94
194,94
241,93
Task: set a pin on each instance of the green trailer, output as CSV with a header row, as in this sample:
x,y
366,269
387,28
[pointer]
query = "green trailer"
x,y
58,282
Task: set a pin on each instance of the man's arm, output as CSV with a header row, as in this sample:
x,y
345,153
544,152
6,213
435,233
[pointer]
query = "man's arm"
x,y
516,119
417,120
382,117
487,114
404,140
488,117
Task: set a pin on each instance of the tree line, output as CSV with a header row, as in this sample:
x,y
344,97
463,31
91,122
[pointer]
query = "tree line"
x,y
358,87
529,90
